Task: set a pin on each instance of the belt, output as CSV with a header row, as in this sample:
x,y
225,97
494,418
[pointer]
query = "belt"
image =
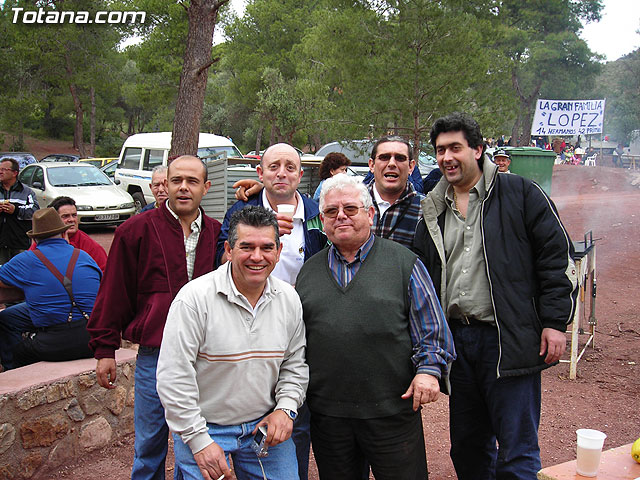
x,y
62,326
469,320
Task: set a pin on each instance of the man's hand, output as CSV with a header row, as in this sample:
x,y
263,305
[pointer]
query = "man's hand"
x,y
424,388
106,372
247,187
553,343
279,427
7,207
212,462
285,224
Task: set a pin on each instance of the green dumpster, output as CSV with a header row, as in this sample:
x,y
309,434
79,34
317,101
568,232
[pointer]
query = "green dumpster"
x,y
534,163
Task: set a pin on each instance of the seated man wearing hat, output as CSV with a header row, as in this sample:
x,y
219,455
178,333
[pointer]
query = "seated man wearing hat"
x,y
60,283
502,159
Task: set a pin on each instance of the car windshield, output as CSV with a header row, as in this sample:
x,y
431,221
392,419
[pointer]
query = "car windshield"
x,y
76,176
23,159
213,153
97,163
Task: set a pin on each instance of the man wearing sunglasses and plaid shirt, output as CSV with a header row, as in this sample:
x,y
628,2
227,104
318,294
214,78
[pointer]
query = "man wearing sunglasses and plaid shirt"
x,y
396,203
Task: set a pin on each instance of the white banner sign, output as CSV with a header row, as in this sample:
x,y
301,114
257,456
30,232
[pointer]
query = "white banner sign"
x,y
568,117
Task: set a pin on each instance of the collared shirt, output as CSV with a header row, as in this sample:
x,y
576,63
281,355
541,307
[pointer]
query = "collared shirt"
x,y
190,242
468,291
427,325
383,205
48,301
292,255
266,293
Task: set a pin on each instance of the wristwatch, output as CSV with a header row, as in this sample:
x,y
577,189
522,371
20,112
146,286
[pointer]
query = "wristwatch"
x,y
292,414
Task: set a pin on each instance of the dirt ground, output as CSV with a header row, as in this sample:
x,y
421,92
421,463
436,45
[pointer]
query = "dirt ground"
x,y
605,394
38,148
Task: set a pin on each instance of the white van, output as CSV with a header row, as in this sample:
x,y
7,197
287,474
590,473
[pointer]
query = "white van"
x,y
144,151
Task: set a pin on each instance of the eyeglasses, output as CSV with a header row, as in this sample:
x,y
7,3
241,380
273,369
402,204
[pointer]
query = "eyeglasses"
x,y
385,157
350,210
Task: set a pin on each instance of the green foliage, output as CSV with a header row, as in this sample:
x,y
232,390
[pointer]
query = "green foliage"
x,y
312,71
620,83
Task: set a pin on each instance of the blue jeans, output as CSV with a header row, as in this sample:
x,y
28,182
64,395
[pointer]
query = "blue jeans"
x,y
152,432
14,321
236,440
484,409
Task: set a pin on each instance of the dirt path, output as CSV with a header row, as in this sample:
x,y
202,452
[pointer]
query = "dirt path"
x,y
605,394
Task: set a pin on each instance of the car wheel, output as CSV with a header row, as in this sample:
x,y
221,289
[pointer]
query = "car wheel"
x,y
139,201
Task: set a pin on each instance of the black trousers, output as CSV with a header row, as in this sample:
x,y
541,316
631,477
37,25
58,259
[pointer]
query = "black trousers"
x,y
58,343
393,446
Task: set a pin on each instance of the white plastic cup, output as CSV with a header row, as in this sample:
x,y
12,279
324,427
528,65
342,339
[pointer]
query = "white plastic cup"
x,y
589,449
286,209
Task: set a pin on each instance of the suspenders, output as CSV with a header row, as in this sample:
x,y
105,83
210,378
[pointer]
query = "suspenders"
x,y
66,280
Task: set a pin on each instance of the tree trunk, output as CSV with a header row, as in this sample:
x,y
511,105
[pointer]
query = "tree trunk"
x,y
78,132
259,139
193,79
272,136
92,145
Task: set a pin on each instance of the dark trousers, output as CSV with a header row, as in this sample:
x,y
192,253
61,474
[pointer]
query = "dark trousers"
x,y
58,343
484,410
302,440
14,321
393,446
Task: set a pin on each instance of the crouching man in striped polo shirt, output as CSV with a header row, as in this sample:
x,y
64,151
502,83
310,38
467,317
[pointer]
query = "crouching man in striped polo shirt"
x,y
233,360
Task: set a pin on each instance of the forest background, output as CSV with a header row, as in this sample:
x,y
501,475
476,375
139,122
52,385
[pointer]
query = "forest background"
x,y
305,71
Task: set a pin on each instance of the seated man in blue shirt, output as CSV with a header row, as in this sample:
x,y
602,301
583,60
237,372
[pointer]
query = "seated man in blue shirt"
x,y
53,317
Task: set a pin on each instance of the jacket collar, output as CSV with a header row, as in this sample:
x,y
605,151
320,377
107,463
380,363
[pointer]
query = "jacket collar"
x,y
435,204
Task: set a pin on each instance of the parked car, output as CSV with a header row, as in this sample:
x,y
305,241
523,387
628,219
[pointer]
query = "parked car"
x,y
23,158
144,151
61,157
98,162
359,151
110,170
98,200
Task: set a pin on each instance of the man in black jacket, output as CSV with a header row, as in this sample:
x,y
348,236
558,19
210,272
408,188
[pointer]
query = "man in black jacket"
x,y
17,205
501,262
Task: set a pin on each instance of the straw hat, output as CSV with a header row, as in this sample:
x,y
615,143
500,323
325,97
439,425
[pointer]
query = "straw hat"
x,y
46,223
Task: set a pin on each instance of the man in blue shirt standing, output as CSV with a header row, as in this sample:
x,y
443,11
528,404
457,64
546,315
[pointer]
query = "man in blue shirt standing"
x,y
53,316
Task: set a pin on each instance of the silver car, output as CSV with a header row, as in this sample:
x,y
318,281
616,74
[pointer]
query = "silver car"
x,y
98,200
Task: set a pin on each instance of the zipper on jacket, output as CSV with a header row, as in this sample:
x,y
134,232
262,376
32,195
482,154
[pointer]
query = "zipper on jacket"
x,y
486,265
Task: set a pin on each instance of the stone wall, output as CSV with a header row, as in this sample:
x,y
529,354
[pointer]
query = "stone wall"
x,y
56,419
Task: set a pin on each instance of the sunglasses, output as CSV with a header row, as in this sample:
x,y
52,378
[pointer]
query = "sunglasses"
x,y
350,210
385,157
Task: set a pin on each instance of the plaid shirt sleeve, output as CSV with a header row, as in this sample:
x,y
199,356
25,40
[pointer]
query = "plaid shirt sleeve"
x,y
430,334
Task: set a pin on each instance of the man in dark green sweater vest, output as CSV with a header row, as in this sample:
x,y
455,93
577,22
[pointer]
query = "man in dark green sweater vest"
x,y
377,344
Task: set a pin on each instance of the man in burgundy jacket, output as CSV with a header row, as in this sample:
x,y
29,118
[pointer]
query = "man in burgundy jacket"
x,y
152,256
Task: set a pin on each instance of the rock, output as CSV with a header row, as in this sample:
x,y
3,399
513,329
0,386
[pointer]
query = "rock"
x,y
32,398
131,397
74,411
58,391
43,431
30,464
91,404
87,381
116,401
7,437
95,434
64,452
